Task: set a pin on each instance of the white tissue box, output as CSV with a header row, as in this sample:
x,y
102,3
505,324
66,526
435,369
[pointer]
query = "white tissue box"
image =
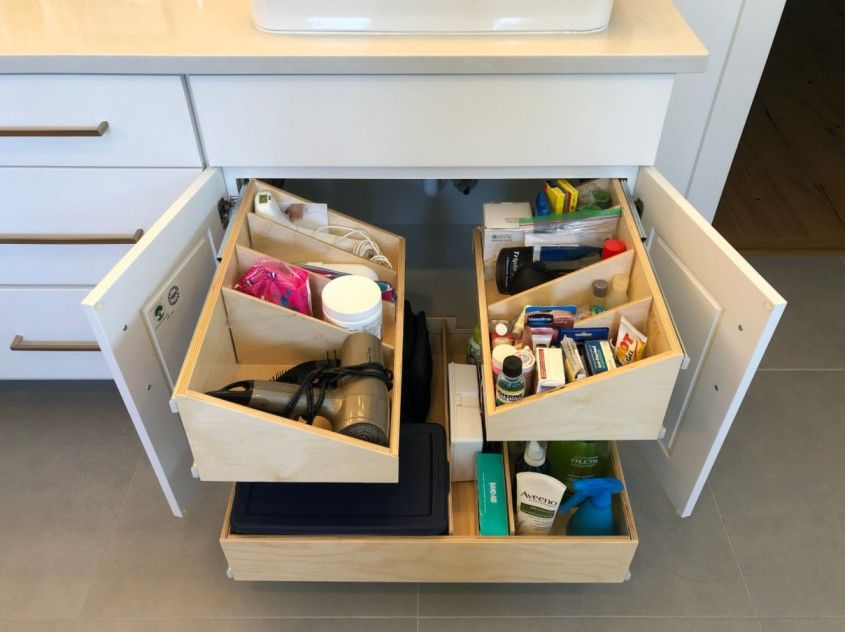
x,y
465,430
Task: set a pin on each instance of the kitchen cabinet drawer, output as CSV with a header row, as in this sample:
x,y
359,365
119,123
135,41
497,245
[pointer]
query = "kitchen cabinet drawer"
x,y
39,260
424,121
70,226
41,333
96,121
80,201
240,337
629,402
460,556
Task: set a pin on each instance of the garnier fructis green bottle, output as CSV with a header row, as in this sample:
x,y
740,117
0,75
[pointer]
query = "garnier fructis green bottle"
x,y
570,461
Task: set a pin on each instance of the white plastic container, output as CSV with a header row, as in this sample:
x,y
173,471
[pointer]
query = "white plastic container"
x,y
353,303
432,16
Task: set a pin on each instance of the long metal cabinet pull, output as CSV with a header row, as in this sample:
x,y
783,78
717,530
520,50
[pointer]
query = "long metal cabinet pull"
x,y
72,240
19,344
97,130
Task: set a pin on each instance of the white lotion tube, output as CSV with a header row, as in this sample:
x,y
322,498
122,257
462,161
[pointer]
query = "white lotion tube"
x,y
538,498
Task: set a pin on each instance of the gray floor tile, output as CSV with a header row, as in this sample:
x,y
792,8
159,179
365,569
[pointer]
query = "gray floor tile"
x,y
803,625
681,568
577,624
253,625
67,453
778,485
36,625
814,288
158,566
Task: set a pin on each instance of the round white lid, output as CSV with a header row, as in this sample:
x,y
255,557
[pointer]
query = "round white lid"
x,y
351,297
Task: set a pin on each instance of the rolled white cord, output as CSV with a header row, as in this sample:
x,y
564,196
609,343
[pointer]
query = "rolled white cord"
x,y
365,247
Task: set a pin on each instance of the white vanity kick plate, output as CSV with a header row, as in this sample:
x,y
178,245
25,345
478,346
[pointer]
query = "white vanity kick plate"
x,y
432,16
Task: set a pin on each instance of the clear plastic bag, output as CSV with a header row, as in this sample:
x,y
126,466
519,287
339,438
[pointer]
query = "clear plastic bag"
x,y
279,283
583,228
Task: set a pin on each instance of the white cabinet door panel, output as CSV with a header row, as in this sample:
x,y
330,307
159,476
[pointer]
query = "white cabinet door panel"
x,y
115,310
726,314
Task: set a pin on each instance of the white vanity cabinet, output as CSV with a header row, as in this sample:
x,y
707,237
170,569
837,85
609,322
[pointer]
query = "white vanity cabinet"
x,y
383,127
113,150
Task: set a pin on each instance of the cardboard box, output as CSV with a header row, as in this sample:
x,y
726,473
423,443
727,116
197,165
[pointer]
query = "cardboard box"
x,y
492,496
501,226
550,373
465,431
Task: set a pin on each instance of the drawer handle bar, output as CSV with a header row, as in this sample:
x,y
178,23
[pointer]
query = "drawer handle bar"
x,y
97,130
72,240
19,344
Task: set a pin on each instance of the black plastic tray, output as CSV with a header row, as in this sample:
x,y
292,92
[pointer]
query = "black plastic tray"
x,y
416,505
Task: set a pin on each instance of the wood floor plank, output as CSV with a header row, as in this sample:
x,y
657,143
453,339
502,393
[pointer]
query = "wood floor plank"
x,y
786,188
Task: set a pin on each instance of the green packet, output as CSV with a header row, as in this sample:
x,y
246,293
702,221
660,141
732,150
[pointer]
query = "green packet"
x,y
492,496
587,213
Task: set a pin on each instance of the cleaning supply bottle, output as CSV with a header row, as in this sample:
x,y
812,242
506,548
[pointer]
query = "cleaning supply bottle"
x,y
533,459
594,515
570,461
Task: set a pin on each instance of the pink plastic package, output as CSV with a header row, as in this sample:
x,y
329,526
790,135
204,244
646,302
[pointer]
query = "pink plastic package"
x,y
279,283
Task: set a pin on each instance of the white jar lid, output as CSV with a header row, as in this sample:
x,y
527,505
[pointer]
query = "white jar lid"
x,y
351,298
499,354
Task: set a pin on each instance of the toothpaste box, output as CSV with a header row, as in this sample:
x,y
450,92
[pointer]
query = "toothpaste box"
x,y
550,373
501,226
599,356
492,496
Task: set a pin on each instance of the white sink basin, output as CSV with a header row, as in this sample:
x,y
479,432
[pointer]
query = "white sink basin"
x,y
432,16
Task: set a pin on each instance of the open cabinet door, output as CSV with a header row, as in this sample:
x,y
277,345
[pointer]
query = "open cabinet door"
x,y
725,313
143,314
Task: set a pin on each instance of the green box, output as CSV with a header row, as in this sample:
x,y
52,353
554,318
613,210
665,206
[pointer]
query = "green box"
x,y
492,495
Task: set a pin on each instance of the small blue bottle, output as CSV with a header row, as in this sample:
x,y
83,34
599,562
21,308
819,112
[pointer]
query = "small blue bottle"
x,y
541,205
595,515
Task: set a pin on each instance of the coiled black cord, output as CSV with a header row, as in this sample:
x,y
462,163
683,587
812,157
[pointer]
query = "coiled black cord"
x,y
319,380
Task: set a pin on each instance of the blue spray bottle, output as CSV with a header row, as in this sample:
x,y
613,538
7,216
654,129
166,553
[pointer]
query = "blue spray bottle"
x,y
595,515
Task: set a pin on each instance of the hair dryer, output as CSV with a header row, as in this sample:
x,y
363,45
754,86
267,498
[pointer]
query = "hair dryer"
x,y
357,406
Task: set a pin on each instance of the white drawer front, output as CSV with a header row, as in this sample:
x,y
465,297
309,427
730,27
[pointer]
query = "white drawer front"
x,y
43,315
44,264
149,122
431,121
87,201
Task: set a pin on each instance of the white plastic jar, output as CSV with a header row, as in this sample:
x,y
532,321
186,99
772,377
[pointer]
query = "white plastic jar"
x,y
354,303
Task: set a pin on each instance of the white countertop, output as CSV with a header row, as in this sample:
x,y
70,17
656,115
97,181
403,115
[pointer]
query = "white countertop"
x,y
218,37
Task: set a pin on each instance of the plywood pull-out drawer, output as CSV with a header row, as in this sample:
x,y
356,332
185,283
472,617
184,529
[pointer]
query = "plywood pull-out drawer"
x,y
626,403
461,556
240,337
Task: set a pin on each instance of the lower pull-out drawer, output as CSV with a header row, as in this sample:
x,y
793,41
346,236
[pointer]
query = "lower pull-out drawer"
x,y
461,556
45,336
